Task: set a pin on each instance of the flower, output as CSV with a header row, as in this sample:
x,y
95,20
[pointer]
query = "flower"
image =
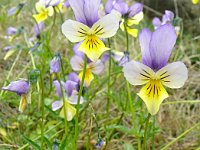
x,y
44,12
168,17
77,64
55,65
69,101
38,29
195,2
21,88
15,10
11,31
154,72
130,15
89,29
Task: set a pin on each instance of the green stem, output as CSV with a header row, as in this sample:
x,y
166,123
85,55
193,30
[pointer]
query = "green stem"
x,y
42,102
153,136
64,105
108,86
78,104
145,132
62,68
11,69
180,136
127,39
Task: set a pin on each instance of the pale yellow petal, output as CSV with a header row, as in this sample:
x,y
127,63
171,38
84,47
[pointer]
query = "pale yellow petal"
x,y
153,93
88,77
50,10
133,32
136,19
93,47
39,7
70,111
23,103
40,17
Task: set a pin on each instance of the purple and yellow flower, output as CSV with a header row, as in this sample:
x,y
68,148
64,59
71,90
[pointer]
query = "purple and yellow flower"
x,y
154,72
130,15
77,64
21,88
70,99
43,12
89,29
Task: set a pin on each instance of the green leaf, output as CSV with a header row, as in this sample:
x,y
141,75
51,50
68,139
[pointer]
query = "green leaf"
x,y
32,143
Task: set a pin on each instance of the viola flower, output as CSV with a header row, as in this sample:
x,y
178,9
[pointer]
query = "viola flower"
x,y
77,64
15,10
55,65
89,29
38,29
70,100
154,72
130,15
43,12
21,88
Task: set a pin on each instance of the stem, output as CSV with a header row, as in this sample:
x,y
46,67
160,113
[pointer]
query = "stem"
x,y
78,104
108,87
64,106
180,136
127,84
153,136
145,132
11,69
62,68
42,101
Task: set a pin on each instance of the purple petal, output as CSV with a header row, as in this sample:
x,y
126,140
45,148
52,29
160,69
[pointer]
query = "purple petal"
x,y
161,44
70,86
76,51
156,22
11,31
91,11
7,48
20,87
144,40
74,98
66,4
135,9
55,65
73,77
168,17
56,105
124,59
122,7
12,11
58,89
38,29
105,57
78,9
109,6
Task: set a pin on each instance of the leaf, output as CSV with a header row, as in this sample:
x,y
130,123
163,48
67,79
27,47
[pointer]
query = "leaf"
x,y
32,143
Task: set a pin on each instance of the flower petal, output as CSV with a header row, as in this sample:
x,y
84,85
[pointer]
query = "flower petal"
x,y
71,111
88,77
39,7
137,73
73,77
156,22
107,26
77,63
167,17
173,75
57,85
56,105
153,94
78,9
161,45
23,103
135,9
136,19
40,17
74,31
20,87
55,65
144,39
133,32
96,67
91,11
109,6
76,51
70,86
93,48
50,11
74,98
121,7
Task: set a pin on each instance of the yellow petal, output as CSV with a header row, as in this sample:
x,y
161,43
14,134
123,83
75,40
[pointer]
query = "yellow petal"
x,y
39,7
50,11
195,1
153,93
60,8
133,32
136,19
23,103
40,17
70,111
88,77
93,47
